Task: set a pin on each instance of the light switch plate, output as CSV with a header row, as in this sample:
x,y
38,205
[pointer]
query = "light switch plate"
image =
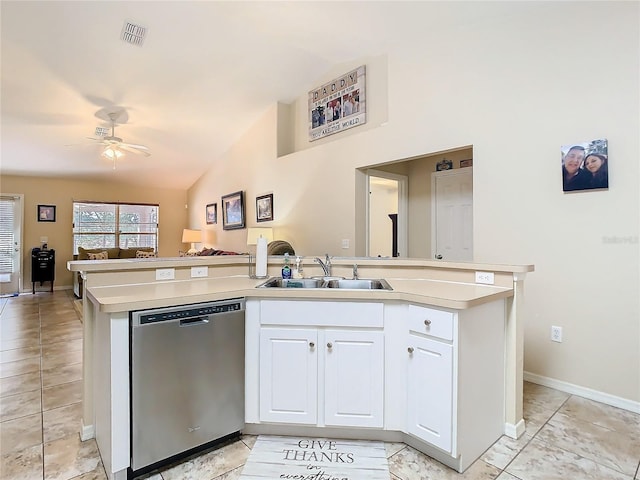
x,y
345,243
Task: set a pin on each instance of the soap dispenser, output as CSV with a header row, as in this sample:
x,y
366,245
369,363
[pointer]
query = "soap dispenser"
x,y
286,270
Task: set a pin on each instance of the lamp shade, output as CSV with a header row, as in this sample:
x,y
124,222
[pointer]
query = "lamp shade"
x,y
191,236
256,232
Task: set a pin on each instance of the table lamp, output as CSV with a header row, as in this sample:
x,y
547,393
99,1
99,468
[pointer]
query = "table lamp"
x,y
192,237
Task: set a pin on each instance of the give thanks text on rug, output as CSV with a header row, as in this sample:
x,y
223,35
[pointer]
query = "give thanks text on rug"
x,y
301,458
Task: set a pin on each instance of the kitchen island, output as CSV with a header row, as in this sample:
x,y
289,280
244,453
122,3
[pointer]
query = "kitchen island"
x,y
476,327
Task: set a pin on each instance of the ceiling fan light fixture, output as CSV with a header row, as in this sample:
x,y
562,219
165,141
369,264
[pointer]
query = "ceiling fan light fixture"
x,y
112,153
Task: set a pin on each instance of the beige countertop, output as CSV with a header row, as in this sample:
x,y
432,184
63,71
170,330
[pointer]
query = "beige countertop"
x,y
455,295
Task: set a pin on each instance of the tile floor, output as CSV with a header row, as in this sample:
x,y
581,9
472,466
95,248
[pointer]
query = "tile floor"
x,y
567,437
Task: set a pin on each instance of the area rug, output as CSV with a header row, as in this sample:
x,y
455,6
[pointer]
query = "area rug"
x,y
302,458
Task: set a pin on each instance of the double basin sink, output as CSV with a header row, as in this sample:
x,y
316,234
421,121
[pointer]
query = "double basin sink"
x,y
351,284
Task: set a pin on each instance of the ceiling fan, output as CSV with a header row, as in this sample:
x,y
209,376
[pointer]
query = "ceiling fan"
x,y
114,146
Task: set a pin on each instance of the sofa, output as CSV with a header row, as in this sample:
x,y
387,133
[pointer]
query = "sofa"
x,y
112,253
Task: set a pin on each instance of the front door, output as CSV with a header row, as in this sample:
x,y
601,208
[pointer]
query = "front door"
x,y
452,215
10,243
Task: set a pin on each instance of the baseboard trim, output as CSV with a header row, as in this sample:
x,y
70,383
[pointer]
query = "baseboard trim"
x,y
87,432
585,392
514,431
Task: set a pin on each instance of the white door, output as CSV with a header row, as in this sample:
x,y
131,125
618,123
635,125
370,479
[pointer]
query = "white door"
x,y
10,244
430,391
452,215
354,378
288,375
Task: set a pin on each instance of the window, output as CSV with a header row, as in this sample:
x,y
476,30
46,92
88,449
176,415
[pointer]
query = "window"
x,y
7,235
109,225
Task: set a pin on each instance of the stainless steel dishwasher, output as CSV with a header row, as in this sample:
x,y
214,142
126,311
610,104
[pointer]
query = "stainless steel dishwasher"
x,y
187,380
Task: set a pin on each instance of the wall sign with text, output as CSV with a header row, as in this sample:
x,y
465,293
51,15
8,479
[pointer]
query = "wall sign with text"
x,y
338,105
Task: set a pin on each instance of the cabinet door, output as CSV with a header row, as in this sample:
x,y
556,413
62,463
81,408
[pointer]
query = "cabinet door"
x,y
430,391
354,378
288,375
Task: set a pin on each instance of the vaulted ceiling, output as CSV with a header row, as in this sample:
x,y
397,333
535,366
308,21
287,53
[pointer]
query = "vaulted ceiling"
x,y
204,73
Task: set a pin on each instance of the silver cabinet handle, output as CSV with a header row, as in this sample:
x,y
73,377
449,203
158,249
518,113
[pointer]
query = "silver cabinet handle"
x,y
329,345
311,344
410,349
427,322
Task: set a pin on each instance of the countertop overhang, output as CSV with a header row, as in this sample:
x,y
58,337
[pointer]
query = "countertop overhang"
x,y
131,284
445,294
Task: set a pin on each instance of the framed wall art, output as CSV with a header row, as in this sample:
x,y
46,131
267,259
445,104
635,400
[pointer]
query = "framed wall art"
x,y
264,208
444,164
337,105
212,213
233,211
46,213
585,165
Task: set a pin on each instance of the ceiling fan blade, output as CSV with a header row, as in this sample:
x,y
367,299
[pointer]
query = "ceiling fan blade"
x,y
133,149
133,145
88,144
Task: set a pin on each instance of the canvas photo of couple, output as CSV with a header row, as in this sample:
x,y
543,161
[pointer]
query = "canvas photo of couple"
x,y
585,166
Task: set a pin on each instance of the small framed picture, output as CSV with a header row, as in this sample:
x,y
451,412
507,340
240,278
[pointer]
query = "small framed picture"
x,y
264,208
46,213
444,164
212,213
233,211
466,163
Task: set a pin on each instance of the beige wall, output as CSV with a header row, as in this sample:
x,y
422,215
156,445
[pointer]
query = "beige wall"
x,y
62,194
516,86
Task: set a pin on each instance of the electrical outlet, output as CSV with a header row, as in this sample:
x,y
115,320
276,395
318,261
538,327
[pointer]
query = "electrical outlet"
x,y
197,272
485,277
556,334
165,273
345,243
44,239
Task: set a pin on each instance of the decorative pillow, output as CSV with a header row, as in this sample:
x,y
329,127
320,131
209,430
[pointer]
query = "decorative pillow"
x,y
98,256
187,254
143,254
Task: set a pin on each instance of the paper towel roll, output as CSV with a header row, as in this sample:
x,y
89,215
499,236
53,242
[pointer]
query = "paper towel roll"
x,y
261,257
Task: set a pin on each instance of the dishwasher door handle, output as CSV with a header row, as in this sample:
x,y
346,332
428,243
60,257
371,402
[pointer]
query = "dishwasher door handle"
x,y
192,322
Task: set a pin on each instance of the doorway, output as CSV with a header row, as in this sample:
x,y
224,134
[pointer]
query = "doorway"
x,y
452,215
386,214
10,244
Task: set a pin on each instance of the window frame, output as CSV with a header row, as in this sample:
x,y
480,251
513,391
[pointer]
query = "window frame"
x,y
115,231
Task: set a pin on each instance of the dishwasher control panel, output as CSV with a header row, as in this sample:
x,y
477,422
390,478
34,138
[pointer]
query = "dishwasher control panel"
x,y
187,311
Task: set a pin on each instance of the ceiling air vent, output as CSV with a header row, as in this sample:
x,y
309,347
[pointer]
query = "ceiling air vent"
x,y
133,34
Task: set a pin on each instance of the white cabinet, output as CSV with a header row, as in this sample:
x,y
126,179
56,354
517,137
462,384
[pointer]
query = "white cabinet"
x,y
430,375
430,391
455,379
317,374
433,375
353,378
288,375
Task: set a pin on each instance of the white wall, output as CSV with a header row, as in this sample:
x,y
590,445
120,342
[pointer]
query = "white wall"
x,y
516,80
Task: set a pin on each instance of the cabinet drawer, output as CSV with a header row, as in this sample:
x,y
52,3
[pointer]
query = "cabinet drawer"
x,y
429,321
